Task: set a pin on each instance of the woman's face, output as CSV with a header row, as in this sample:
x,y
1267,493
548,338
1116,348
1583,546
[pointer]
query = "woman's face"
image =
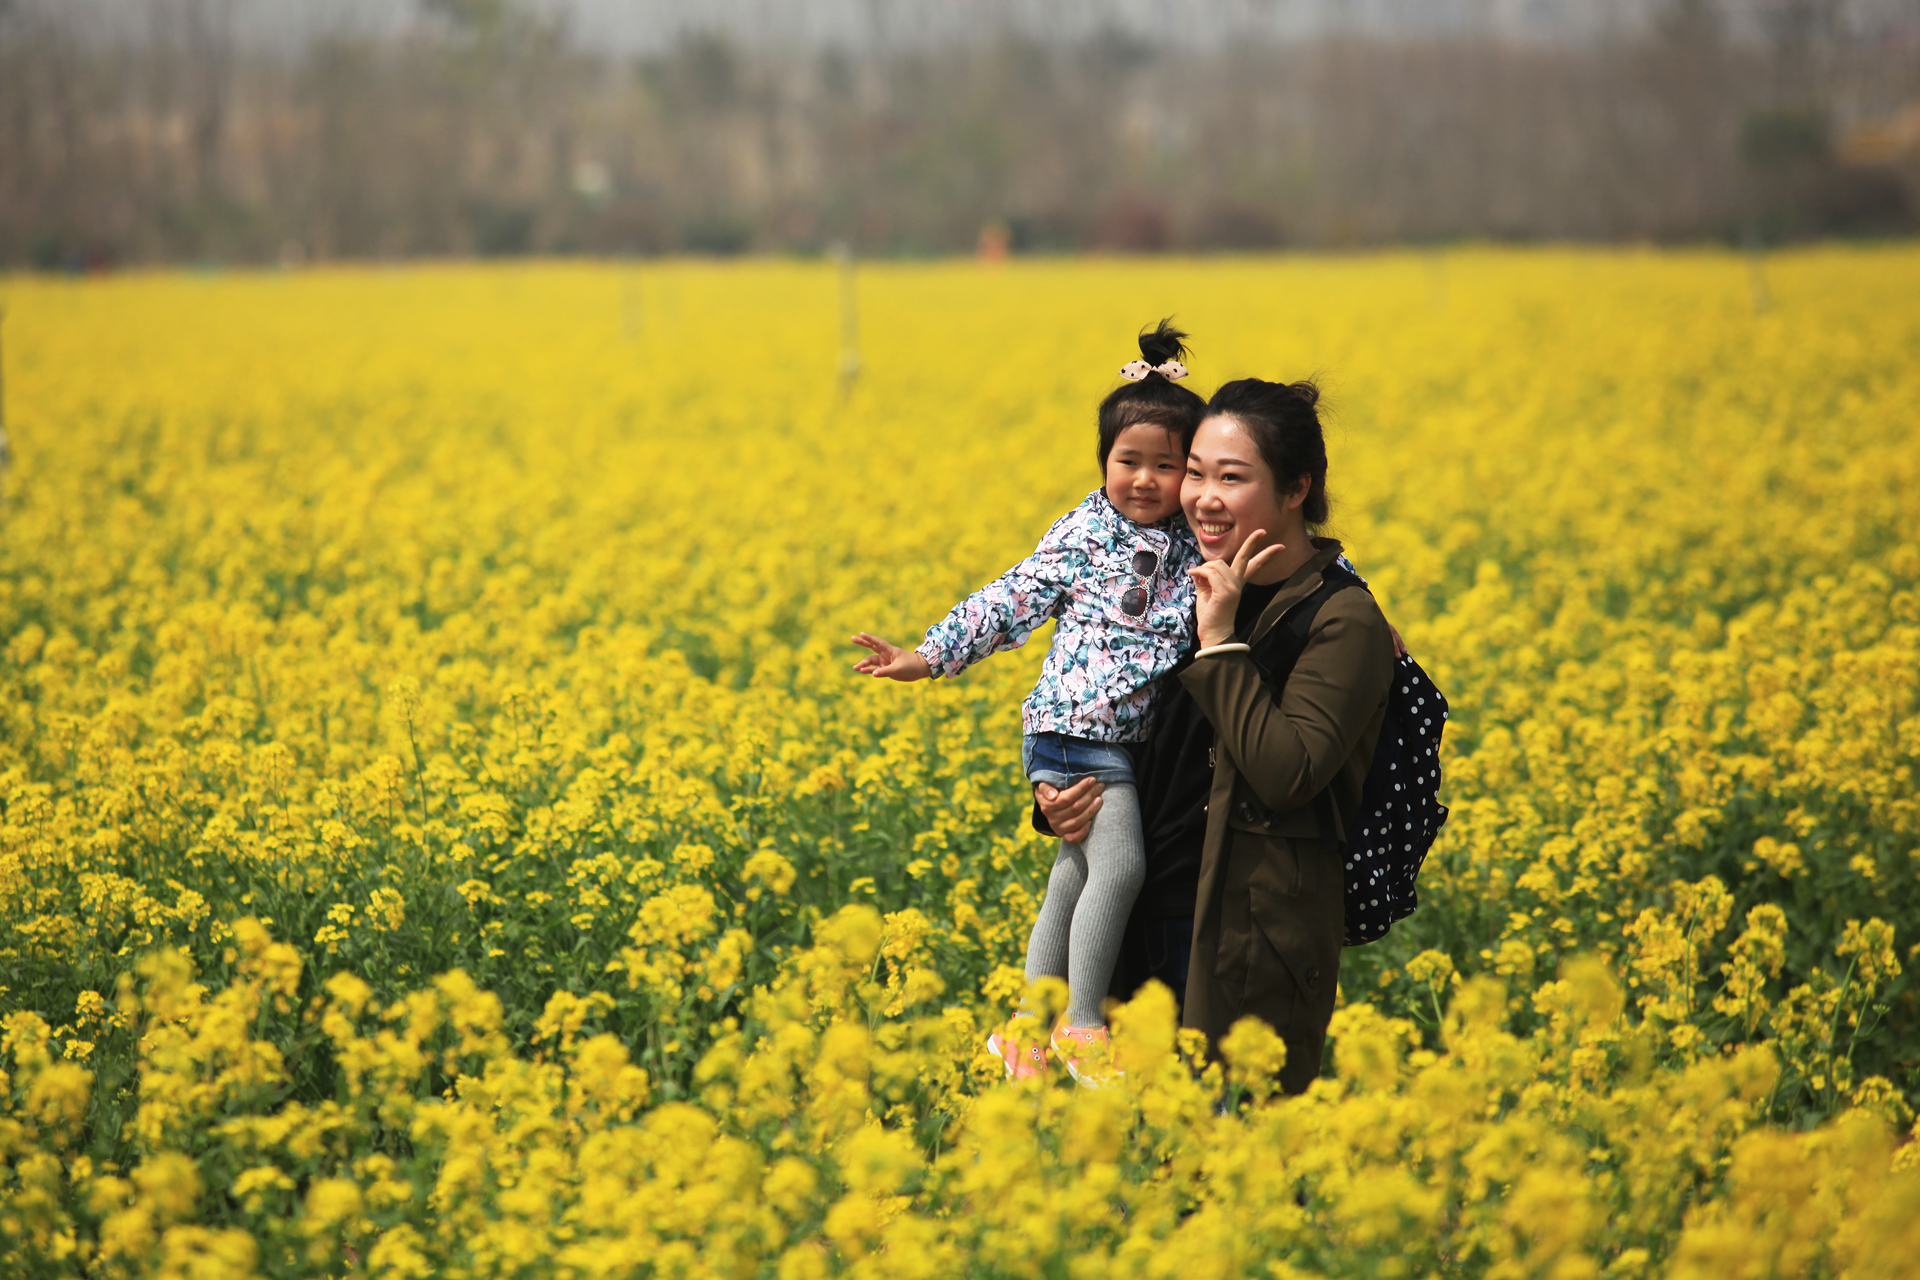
x,y
1228,492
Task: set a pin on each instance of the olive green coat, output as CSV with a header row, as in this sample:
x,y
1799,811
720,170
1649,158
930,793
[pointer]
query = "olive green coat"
x,y
1269,919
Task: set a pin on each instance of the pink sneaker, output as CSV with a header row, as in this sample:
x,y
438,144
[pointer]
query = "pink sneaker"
x,y
1088,1055
1022,1061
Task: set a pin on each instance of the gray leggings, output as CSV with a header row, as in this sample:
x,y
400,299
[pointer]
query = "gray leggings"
x,y
1089,896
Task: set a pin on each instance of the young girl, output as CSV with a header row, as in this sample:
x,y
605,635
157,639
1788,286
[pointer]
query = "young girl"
x,y
1114,572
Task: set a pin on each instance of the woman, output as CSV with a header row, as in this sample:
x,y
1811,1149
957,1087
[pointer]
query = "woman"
x,y
1267,905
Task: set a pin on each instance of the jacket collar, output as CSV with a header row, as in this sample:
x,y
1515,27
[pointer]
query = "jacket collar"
x,y
1304,582
1119,526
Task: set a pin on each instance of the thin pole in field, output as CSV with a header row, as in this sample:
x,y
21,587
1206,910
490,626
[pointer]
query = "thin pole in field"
x,y
1757,272
6,450
849,318
630,318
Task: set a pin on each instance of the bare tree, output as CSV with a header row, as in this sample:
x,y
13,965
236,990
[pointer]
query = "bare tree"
x,y
481,127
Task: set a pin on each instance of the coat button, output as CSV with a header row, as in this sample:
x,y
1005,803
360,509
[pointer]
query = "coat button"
x,y
1313,976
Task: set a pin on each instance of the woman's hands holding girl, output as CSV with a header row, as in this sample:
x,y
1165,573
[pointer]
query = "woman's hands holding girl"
x,y
890,660
1069,811
1219,583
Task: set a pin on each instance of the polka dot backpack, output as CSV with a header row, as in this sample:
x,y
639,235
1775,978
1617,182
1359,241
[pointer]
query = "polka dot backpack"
x,y
1400,812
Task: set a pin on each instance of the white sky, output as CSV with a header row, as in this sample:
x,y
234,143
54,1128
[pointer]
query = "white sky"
x,y
640,26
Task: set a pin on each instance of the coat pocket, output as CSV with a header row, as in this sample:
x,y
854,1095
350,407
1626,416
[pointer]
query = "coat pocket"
x,y
1303,929
1273,868
1295,940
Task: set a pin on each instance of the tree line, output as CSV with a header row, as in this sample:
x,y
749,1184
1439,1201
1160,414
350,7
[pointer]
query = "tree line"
x,y
485,130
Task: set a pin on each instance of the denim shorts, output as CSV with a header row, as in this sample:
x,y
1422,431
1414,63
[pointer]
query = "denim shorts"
x,y
1059,760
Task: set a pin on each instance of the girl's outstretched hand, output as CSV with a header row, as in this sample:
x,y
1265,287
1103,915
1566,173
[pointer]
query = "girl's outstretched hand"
x,y
890,660
1218,584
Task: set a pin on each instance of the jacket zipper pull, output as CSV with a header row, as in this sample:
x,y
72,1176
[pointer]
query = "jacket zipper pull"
x,y
1211,764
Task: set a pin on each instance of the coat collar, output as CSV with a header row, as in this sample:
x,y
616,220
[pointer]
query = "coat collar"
x,y
1304,582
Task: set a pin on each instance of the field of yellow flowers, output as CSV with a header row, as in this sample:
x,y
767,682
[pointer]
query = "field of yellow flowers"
x,y
440,835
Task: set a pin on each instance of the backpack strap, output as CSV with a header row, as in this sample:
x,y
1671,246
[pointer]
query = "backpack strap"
x,y
1280,648
1275,657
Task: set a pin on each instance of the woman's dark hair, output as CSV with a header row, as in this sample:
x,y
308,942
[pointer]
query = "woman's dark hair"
x,y
1155,399
1283,422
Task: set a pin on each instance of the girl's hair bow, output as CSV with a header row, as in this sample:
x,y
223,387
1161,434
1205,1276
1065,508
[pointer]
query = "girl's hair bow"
x,y
1137,370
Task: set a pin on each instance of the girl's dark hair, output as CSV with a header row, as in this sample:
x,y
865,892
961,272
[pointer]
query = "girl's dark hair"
x,y
1154,399
1283,422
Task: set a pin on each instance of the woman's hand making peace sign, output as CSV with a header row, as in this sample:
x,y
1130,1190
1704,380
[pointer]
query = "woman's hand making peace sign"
x,y
1219,583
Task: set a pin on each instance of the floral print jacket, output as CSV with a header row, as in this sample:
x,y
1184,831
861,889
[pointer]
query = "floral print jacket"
x,y
1097,681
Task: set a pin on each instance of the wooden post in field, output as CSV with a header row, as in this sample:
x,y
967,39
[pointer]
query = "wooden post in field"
x,y
630,318
849,318
6,450
1757,272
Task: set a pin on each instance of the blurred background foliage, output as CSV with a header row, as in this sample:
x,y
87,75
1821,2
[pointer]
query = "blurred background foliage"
x,y
249,131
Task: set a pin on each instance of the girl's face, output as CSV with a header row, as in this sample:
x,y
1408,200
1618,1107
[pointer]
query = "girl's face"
x,y
1229,491
1143,473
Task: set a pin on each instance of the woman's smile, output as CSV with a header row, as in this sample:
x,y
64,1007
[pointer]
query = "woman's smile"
x,y
1228,489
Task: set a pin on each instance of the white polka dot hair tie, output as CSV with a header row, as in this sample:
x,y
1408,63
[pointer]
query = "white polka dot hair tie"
x,y
1137,370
